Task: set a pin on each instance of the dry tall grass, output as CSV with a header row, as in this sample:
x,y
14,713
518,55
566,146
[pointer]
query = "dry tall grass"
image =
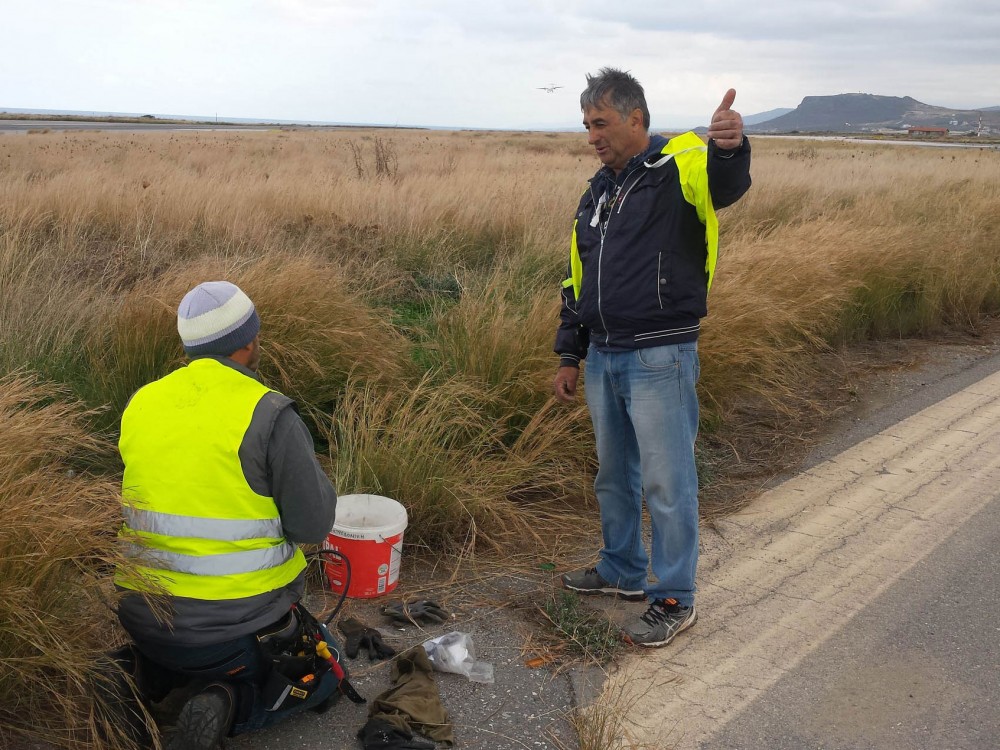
x,y
156,197
316,331
56,548
450,262
410,310
837,244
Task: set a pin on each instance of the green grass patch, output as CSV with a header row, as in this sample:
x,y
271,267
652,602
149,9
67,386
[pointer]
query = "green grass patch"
x,y
892,308
586,633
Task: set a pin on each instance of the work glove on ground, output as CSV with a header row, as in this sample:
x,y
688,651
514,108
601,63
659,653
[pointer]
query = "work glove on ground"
x,y
358,635
420,612
381,735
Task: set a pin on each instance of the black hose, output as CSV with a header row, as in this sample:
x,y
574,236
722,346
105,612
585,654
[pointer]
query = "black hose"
x,y
347,582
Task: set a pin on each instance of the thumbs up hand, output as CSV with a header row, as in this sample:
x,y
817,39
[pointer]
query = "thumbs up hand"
x,y
727,124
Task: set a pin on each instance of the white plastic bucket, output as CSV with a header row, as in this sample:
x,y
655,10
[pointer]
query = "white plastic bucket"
x,y
368,530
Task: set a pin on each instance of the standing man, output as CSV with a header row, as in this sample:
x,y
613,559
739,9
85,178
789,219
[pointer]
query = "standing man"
x,y
642,256
221,483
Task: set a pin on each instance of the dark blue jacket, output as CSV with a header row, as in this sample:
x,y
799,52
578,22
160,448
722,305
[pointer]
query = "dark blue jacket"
x,y
644,249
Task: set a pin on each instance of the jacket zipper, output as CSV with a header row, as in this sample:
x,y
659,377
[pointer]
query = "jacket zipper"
x,y
603,229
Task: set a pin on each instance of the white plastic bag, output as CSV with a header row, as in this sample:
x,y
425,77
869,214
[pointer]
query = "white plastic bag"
x,y
455,653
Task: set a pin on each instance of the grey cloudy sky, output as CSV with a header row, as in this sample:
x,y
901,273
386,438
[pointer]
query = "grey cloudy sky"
x,y
478,64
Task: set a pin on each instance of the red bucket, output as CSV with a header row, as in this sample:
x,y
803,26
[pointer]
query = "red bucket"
x,y
368,531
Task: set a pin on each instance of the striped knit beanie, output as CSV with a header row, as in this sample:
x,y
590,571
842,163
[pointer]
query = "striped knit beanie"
x,y
216,317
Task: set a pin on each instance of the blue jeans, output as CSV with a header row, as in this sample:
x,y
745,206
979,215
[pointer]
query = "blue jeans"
x,y
217,663
644,408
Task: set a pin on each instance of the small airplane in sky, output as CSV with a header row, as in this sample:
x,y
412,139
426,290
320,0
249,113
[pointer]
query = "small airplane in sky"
x,y
549,89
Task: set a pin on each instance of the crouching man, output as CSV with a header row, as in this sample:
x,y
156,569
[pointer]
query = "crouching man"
x,y
221,481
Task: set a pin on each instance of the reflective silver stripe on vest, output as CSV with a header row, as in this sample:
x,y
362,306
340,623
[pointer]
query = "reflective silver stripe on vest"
x,y
226,530
230,563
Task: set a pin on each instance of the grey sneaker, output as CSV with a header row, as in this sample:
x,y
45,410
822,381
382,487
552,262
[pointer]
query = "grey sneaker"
x,y
589,581
660,624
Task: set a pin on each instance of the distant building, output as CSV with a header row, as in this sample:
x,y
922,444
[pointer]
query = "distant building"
x,y
927,131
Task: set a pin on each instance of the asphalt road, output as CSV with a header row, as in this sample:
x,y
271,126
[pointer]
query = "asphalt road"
x,y
852,606
919,667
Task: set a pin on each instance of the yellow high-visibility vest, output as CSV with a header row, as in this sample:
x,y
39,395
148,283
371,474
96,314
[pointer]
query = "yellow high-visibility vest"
x,y
193,525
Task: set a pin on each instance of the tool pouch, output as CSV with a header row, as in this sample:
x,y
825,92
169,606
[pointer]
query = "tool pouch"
x,y
295,671
281,693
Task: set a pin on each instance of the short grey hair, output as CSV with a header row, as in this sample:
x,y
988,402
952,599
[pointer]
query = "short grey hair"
x,y
617,89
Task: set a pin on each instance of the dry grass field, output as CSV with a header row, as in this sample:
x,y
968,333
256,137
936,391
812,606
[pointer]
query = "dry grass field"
x,y
408,286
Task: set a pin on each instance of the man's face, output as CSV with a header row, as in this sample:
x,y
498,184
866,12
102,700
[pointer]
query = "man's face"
x,y
615,139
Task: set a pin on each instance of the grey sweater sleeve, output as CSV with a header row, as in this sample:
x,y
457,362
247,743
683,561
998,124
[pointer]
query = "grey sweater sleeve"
x,y
305,496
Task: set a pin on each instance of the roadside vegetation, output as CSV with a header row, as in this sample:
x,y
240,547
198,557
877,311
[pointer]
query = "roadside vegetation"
x,y
408,286
55,551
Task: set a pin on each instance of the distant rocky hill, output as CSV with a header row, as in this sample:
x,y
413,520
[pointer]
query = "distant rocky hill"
x,y
765,116
847,113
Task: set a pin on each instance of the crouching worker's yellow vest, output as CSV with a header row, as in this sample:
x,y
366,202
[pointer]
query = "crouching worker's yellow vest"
x,y
193,526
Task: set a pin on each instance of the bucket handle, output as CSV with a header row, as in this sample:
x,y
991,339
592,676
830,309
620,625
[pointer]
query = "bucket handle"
x,y
398,550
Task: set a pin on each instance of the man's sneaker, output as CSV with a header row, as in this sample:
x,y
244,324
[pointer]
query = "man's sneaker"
x,y
589,581
660,624
204,720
